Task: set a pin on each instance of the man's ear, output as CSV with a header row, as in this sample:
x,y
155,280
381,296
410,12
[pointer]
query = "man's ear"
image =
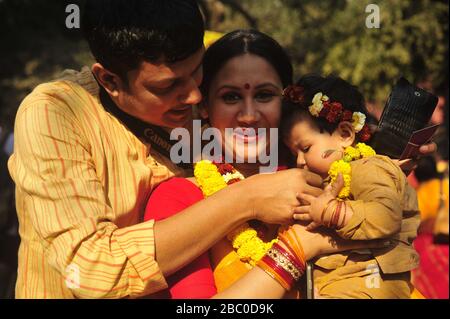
x,y
346,133
111,82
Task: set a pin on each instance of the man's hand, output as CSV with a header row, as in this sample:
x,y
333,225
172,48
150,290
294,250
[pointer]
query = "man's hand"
x,y
273,197
408,165
317,210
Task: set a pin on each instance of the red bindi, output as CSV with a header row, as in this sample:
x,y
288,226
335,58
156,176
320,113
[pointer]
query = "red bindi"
x,y
247,86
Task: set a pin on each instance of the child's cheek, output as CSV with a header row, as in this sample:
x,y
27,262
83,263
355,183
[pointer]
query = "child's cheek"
x,y
317,165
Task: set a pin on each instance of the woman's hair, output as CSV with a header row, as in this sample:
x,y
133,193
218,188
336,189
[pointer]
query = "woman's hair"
x,y
337,89
240,42
123,33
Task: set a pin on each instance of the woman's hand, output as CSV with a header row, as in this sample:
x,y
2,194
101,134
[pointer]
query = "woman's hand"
x,y
327,242
273,197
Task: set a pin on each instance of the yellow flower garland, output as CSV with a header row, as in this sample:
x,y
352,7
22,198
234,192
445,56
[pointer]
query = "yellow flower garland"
x,y
249,247
342,166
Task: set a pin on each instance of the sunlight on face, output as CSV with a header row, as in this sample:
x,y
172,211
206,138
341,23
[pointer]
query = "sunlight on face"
x,y
246,94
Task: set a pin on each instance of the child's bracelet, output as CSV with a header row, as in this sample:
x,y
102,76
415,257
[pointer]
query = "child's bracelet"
x,y
325,210
336,214
345,215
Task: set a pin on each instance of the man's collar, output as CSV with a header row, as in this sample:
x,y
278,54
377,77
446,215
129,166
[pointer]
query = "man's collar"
x,y
157,137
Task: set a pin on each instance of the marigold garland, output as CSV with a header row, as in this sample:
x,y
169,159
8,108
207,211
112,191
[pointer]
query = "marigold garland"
x,y
212,177
342,166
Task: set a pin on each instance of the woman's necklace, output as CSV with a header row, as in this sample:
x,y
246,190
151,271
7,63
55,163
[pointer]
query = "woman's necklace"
x,y
212,177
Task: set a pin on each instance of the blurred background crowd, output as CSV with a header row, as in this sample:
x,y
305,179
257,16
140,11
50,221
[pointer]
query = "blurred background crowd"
x,y
327,36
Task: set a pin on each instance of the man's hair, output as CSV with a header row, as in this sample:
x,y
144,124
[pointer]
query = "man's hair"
x,y
123,33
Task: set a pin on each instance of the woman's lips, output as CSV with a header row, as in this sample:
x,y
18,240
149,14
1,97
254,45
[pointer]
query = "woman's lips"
x,y
247,135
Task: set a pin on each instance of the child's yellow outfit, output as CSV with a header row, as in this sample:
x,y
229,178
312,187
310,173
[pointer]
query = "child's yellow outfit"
x,y
384,206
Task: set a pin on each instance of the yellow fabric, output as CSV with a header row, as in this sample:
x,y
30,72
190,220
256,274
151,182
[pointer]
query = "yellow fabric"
x,y
82,183
428,194
211,37
417,295
384,206
227,266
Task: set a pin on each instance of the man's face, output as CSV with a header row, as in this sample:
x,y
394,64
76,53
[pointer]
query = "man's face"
x,y
163,93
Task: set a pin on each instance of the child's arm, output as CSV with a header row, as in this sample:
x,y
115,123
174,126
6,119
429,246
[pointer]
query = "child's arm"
x,y
378,187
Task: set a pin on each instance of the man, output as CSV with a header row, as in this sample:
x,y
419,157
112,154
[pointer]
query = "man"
x,y
84,166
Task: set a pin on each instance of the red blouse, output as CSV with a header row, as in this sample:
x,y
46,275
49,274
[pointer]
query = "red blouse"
x,y
196,280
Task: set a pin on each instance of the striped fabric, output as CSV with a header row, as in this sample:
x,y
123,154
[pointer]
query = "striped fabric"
x,y
82,183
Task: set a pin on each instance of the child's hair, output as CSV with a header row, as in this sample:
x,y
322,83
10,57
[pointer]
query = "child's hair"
x,y
337,90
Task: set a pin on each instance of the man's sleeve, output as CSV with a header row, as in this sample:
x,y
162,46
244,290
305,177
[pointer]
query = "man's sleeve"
x,y
69,209
377,210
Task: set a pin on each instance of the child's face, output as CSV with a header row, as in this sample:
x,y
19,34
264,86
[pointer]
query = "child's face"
x,y
310,146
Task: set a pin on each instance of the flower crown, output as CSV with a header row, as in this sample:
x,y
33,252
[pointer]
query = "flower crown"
x,y
333,112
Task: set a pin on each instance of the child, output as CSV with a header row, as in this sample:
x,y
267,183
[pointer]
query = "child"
x,y
324,125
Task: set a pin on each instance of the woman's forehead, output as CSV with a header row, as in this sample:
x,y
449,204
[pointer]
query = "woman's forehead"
x,y
247,69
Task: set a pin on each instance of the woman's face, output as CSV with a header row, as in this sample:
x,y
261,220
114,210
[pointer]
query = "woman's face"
x,y
245,94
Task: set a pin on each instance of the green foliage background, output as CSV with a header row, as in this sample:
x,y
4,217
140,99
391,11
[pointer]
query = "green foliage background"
x,y
326,36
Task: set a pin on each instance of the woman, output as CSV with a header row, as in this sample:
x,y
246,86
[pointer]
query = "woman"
x,y
245,73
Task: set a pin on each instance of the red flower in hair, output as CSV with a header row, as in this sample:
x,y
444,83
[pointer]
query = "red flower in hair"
x,y
325,109
335,112
364,134
294,93
347,116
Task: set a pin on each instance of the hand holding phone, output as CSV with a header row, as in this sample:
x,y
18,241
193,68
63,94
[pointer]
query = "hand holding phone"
x,y
417,139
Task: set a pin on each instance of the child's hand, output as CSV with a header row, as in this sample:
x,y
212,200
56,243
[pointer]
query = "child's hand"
x,y
316,205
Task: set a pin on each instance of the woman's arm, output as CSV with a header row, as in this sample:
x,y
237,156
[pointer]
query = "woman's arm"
x,y
257,284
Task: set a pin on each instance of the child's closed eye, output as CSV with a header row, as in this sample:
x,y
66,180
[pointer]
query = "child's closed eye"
x,y
305,149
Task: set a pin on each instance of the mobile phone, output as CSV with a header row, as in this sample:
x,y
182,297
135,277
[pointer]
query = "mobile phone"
x,y
309,280
408,109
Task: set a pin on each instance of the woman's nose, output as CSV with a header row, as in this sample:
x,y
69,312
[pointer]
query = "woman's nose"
x,y
249,114
301,163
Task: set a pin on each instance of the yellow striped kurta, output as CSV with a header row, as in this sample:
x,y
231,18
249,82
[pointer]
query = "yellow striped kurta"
x,y
82,182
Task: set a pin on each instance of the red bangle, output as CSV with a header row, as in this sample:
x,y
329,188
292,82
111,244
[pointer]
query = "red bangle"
x,y
322,217
285,263
295,262
345,215
278,269
336,214
273,273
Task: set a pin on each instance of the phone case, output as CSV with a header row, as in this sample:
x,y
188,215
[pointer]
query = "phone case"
x,y
408,109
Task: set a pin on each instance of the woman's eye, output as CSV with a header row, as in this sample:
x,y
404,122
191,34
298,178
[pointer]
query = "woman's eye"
x,y
230,98
306,149
264,96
